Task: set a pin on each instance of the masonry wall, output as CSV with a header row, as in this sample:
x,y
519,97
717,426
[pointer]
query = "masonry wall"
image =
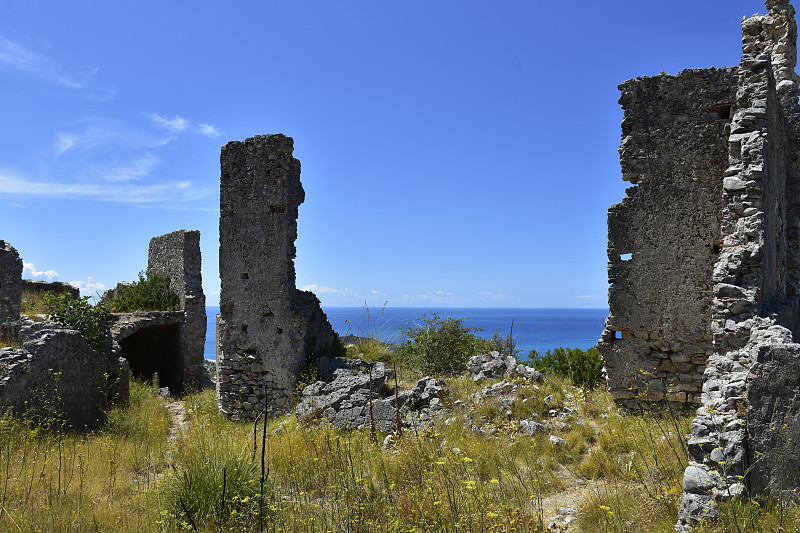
x,y
745,435
267,329
177,255
34,289
10,283
664,237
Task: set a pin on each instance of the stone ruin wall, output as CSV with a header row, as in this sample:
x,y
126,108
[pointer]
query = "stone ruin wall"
x,y
713,227
10,283
55,376
34,289
746,436
177,255
663,239
267,330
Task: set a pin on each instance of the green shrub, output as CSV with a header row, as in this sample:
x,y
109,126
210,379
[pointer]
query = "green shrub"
x,y
440,346
90,321
505,344
150,293
584,369
199,483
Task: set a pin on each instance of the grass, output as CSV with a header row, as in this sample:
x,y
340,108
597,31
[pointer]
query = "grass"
x,y
472,471
62,481
10,341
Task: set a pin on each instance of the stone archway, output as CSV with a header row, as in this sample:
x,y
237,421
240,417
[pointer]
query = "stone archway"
x,y
156,350
153,343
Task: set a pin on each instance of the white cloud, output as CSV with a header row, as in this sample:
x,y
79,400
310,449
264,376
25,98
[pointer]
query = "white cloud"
x,y
112,133
133,171
435,297
208,130
108,191
17,56
176,124
31,269
485,295
90,287
94,136
318,289
64,143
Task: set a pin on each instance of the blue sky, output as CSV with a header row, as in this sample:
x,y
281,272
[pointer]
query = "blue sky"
x,y
454,153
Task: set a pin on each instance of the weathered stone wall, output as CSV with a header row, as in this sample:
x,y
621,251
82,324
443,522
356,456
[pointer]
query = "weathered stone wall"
x,y
56,377
742,434
664,237
10,283
34,289
267,328
177,255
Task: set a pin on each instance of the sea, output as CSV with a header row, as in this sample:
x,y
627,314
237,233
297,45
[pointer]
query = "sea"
x,y
533,328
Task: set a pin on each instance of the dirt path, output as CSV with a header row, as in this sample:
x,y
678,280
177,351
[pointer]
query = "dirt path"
x,y
155,472
560,510
177,426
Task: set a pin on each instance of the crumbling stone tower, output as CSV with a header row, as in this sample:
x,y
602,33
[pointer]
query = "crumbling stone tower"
x,y
704,264
177,255
10,283
267,329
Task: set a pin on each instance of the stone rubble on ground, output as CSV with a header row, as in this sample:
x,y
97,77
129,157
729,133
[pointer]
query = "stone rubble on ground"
x,y
342,397
495,365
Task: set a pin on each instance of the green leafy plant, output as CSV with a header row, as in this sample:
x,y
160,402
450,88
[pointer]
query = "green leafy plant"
x,y
90,321
441,345
151,292
583,368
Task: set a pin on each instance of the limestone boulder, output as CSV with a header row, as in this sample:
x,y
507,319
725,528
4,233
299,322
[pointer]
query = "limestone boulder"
x,y
495,365
343,397
55,377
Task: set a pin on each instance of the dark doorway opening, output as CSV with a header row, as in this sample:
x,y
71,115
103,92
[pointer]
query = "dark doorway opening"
x,y
156,350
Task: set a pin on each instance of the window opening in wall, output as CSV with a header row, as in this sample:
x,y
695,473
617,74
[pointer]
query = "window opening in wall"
x,y
279,330
625,257
244,328
722,109
245,275
618,335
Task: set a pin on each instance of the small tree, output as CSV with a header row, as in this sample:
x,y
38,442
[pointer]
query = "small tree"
x,y
440,346
90,321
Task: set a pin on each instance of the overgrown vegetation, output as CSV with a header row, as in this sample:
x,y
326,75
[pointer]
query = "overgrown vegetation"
x,y
436,345
473,470
583,368
90,321
622,473
150,293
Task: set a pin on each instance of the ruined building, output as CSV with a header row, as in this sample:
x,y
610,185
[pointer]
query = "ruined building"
x,y
49,372
704,263
267,330
169,343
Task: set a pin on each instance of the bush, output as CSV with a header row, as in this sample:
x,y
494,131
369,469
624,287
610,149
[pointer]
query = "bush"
x,y
199,483
151,293
584,369
90,321
440,346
